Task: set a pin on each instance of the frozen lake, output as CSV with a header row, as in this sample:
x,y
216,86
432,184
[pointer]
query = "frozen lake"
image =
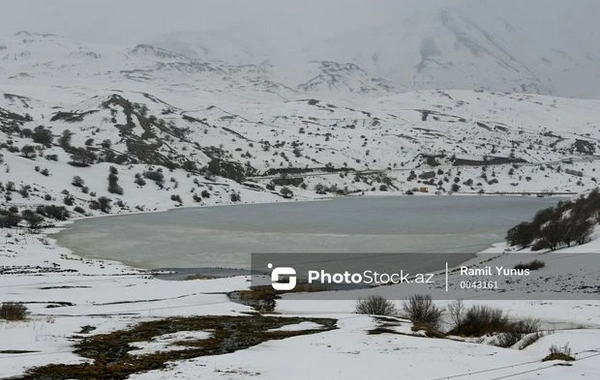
x,y
224,236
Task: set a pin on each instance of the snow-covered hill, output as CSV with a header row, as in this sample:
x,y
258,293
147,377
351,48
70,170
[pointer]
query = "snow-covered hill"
x,y
208,148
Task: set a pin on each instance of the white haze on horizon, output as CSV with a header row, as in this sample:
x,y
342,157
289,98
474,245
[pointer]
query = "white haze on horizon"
x,y
134,21
552,44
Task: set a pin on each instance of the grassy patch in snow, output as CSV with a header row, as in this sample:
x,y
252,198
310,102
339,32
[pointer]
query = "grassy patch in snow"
x,y
110,358
263,298
559,353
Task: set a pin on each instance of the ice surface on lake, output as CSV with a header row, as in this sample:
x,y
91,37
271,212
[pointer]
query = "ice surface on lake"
x,y
225,236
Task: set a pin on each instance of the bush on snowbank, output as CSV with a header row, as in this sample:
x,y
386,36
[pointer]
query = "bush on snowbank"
x,y
420,308
375,305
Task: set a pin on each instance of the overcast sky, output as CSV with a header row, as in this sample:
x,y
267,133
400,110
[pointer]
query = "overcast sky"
x,y
136,20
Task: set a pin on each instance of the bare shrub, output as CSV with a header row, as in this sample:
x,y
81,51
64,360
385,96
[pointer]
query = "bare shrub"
x,y
13,311
479,320
517,331
375,305
508,339
420,308
527,326
565,349
456,310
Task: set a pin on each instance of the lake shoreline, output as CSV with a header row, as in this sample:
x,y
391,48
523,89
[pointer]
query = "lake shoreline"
x,y
340,237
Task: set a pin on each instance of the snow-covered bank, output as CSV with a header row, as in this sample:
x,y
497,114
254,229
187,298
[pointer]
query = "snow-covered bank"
x,y
65,292
350,353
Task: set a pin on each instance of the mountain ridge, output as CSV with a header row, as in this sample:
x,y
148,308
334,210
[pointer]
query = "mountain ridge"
x,y
465,46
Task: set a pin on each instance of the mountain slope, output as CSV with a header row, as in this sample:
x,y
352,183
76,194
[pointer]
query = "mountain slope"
x,y
167,154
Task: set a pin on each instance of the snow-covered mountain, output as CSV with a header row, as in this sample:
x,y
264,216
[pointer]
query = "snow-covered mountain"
x,y
535,47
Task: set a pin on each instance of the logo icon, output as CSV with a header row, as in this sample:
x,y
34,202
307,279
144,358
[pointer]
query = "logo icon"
x,y
280,273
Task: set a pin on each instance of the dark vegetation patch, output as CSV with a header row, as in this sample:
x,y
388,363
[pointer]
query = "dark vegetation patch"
x,y
420,309
110,352
260,298
584,147
236,134
152,146
9,217
263,298
291,171
87,329
13,311
291,181
480,320
71,117
230,169
375,305
8,116
488,161
386,325
113,178
518,330
559,353
558,356
437,115
382,330
568,223
65,287
532,265
54,212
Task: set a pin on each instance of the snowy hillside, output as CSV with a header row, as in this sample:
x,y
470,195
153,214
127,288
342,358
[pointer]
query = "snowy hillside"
x,y
429,141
